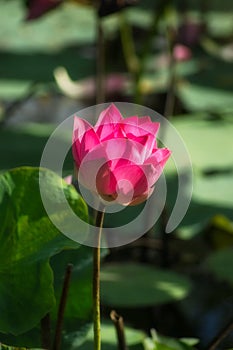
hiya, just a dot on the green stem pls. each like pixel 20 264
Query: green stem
pixel 96 283
pixel 61 309
pixel 128 46
pixel 146 49
pixel 100 62
pixel 221 335
pixel 45 332
pixel 119 326
pixel 168 112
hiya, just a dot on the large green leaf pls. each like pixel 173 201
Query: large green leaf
pixel 209 88
pixel 158 342
pixel 220 24
pixel 66 25
pixel 202 209
pixel 7 347
pixel 133 285
pixel 133 337
pixel 198 98
pixel 27 240
pixel 216 189
pixel 208 141
pixel 78 313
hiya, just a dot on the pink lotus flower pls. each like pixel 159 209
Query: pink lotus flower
pixel 182 52
pixel 118 158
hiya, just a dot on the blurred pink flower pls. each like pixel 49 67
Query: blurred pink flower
pixel 37 8
pixel 182 52
pixel 118 158
pixel 68 179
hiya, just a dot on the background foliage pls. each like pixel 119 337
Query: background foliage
pixel 181 284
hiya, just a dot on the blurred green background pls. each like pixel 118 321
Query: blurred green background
pixel 176 58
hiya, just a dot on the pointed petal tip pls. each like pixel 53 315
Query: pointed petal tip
pixel 79 120
pixel 110 115
pixel 80 127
